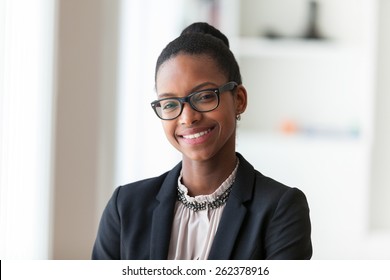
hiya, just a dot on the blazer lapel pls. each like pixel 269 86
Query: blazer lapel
pixel 163 216
pixel 228 229
pixel 234 212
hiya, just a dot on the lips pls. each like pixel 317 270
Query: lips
pixel 196 135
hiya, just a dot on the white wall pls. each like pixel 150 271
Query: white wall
pixel 380 182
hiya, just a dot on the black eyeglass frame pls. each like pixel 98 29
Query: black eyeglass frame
pixel 226 87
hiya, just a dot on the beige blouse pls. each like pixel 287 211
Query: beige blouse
pixel 193 232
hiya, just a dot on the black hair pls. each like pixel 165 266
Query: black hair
pixel 200 38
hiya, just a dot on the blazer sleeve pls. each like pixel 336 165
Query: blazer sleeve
pixel 288 236
pixel 107 244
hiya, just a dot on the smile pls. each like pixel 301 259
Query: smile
pixel 196 135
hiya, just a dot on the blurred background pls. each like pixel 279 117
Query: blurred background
pixel 77 77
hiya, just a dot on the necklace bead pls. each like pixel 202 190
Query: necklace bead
pixel 198 206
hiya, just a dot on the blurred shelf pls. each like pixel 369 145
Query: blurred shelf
pixel 247 137
pixel 291 47
pixel 325 87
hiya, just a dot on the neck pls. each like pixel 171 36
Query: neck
pixel 204 177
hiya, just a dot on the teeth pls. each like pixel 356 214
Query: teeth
pixel 196 135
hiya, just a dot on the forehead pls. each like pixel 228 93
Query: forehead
pixel 185 68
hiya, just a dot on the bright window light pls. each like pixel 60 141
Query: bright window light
pixel 26 95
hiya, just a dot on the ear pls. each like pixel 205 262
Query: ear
pixel 241 99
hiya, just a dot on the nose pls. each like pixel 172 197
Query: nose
pixel 189 116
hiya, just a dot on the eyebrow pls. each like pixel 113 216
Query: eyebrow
pixel 194 89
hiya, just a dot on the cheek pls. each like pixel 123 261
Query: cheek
pixel 229 115
pixel 169 130
pixel 229 122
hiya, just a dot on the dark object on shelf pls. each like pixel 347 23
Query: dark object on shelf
pixel 272 34
pixel 313 31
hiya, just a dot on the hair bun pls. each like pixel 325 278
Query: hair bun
pixel 205 28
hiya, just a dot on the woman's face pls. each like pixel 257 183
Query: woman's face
pixel 199 136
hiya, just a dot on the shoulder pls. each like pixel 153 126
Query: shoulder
pixel 144 191
pixel 265 191
pixel 139 190
pixel 251 180
pixel 146 185
pixel 269 190
pixel 273 187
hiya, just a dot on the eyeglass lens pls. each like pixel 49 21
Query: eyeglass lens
pixel 201 101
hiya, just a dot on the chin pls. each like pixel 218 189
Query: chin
pixel 198 155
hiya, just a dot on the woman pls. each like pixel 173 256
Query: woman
pixel 213 204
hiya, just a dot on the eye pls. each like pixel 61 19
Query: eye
pixel 169 105
pixel 205 97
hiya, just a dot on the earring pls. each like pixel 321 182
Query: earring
pixel 238 117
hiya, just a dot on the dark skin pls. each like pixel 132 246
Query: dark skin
pixel 206 140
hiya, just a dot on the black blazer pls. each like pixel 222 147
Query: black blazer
pixel 262 219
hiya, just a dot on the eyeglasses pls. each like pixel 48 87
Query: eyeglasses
pixel 201 101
